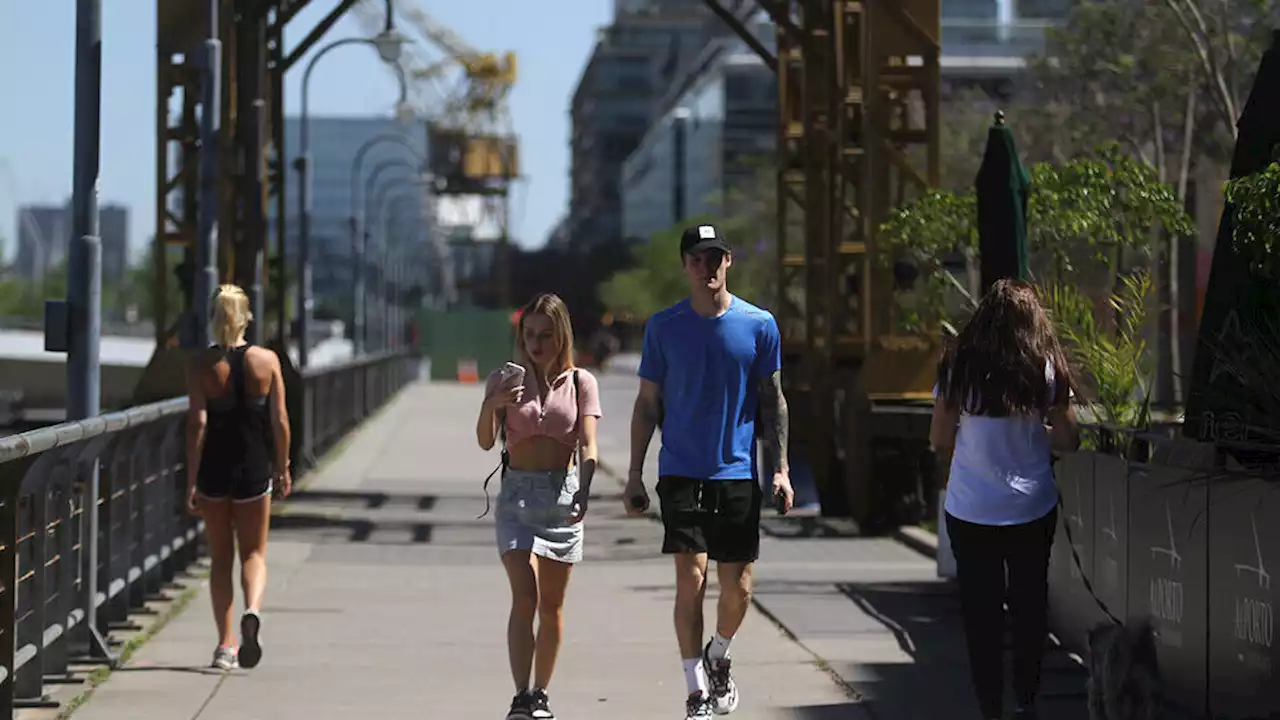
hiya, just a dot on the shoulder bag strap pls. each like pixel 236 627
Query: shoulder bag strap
pixel 502 464
pixel 577 420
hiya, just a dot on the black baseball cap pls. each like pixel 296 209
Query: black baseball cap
pixel 703 237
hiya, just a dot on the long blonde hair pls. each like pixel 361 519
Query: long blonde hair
pixel 552 306
pixel 231 315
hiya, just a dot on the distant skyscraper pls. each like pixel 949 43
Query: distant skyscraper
pixel 44 235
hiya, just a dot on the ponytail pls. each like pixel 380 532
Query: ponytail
pixel 231 315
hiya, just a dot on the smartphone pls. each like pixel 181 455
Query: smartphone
pixel 512 375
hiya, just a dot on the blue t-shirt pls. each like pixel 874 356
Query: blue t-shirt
pixel 709 370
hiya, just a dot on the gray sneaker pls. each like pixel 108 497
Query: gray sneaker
pixel 224 658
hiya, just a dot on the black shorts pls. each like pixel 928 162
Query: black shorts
pixel 234 486
pixel 718 517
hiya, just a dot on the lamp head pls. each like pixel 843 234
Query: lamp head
pixel 389 43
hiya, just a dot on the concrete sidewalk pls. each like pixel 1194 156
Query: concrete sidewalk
pixel 871 610
pixel 387 600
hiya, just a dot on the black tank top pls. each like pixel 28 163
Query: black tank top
pixel 238 441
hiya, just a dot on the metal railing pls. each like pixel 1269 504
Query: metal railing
pixel 144 535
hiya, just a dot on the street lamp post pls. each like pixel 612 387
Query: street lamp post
pixel 388 45
pixel 381 204
pixel 357 233
pixel 369 206
pixel 392 267
pixel 83 308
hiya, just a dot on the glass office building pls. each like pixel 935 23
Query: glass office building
pixel 633 63
pixel 717 125
pixel 402 217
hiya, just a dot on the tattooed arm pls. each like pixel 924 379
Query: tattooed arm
pixel 775 421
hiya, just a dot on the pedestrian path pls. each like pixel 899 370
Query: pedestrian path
pixel 386 600
pixel 872 610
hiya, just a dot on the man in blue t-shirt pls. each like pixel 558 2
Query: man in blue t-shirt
pixel 710 371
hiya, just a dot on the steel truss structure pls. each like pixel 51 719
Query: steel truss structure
pixel 858 134
pixel 251 144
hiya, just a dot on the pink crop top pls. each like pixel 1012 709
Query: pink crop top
pixel 529 418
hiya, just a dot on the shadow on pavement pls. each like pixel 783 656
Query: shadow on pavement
pixel 812 526
pixel 365 500
pixel 843 711
pixel 925 623
pixel 192 669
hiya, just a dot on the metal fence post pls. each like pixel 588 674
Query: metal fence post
pixel 206 279
pixel 84 281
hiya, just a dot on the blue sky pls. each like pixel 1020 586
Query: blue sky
pixel 37 71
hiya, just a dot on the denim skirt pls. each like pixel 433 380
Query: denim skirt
pixel 533 512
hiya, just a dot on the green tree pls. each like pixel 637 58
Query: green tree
pixel 1165 79
pixel 747 214
pixel 1255 200
pixel 1085 218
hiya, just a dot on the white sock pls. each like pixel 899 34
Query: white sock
pixel 694 677
pixel 719 649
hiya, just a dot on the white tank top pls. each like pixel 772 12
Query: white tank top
pixel 1002 468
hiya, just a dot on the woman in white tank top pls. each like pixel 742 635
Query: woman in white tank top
pixel 1004 405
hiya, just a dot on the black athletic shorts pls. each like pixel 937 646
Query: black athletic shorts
pixel 718 517
pixel 221 484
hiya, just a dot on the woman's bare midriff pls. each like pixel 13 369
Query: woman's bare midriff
pixel 541 453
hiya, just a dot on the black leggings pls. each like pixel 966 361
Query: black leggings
pixel 983 553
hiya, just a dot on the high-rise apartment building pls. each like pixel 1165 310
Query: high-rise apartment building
pixel 986 42
pixel 633 62
pixel 44 237
pixel 717 123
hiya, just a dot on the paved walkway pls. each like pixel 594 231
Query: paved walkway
pixel 387 601
pixel 871 609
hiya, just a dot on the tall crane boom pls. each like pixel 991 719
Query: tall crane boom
pixel 471 146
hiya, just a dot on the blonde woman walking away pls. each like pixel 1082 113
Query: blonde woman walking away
pixel 238 451
pixel 548 409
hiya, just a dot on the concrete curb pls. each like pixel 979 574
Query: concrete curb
pixel 918 539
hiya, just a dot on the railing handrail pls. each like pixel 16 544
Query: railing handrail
pixel 34 442
pixel 367 359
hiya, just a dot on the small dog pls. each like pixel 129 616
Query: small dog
pixel 1124 679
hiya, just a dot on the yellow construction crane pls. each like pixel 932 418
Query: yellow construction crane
pixel 470 122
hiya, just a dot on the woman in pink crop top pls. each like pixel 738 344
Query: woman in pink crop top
pixel 548 422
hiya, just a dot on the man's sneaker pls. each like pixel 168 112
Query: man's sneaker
pixel 697 707
pixel 224 658
pixel 250 639
pixel 521 707
pixel 539 708
pixel 724 691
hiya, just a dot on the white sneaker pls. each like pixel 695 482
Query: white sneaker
pixel 723 690
pixel 224 658
pixel 250 639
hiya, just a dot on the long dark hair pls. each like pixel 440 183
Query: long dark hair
pixel 996 367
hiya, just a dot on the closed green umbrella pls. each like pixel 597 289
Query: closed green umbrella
pixel 1002 188
pixel 1236 301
